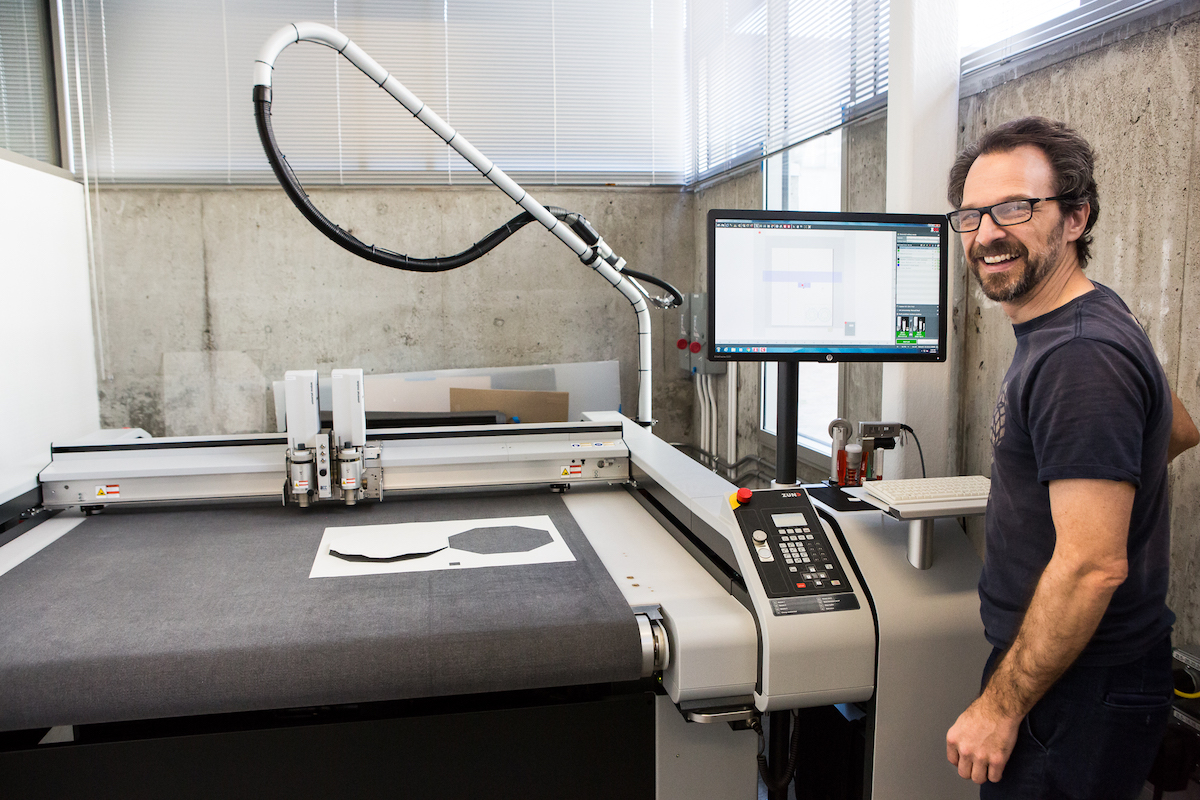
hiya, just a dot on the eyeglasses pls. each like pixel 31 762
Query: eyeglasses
pixel 1010 212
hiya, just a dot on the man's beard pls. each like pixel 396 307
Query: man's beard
pixel 1009 286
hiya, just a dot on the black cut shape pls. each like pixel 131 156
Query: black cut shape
pixel 505 539
pixel 381 559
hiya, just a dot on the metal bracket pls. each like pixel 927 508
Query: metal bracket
pixel 713 710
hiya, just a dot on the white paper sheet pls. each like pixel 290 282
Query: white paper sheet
pixel 405 538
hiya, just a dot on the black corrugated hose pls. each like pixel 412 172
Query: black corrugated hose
pixel 776 785
pixel 388 258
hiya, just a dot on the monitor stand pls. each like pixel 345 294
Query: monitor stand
pixel 786 422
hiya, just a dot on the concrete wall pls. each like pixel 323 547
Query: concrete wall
pixel 1135 100
pixel 210 294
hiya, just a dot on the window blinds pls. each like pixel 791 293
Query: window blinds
pixel 767 74
pixel 637 92
pixel 552 91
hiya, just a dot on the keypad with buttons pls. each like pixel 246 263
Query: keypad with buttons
pixel 792 554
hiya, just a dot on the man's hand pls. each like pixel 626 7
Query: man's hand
pixel 981 741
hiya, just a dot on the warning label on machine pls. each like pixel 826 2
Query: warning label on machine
pixel 108 491
pixel 572 471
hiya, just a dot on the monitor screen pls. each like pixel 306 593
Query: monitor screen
pixel 820 286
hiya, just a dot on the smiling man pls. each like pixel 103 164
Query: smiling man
pixel 1078 689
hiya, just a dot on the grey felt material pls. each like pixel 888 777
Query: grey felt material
pixel 150 614
pixel 501 539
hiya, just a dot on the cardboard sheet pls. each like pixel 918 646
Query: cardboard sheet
pixel 527 406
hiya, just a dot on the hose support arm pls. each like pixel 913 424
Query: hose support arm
pixel 571 229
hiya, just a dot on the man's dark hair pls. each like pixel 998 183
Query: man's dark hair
pixel 1070 156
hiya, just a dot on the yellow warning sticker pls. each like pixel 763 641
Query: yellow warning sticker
pixel 108 491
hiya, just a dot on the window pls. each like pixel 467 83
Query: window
pixel 807 177
pixel 1010 35
pixel 768 74
pixel 28 114
pixel 981 25
pixel 552 91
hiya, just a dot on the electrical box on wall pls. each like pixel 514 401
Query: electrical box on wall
pixel 693 336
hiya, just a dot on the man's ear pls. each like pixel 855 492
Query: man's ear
pixel 1075 221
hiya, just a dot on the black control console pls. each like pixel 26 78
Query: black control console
pixel 799 569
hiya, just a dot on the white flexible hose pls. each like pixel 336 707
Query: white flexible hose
pixel 591 256
pixel 708 398
pixel 731 377
pixel 713 435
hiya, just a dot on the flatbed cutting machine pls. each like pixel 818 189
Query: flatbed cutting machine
pixel 191 577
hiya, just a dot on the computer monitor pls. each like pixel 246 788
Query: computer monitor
pixel 828 287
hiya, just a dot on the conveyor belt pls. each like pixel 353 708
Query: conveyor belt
pixel 139 614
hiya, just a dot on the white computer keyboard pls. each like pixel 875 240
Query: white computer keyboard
pixel 929 490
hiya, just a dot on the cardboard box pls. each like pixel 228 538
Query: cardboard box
pixel 526 406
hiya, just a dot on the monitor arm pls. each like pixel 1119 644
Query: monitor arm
pixel 572 229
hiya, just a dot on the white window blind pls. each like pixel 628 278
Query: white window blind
pixel 552 91
pixel 27 104
pixel 767 74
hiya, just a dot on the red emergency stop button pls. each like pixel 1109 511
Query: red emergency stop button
pixel 682 344
pixel 695 347
pixel 744 495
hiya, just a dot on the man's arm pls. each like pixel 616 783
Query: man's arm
pixel 1091 522
pixel 1183 430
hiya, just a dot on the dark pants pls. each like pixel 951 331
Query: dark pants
pixel 1094 735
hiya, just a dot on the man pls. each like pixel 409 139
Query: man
pixel 1078 689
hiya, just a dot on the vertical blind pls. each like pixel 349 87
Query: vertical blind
pixel 27 100
pixel 553 91
pixel 767 74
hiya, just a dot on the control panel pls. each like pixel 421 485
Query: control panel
pixel 799 569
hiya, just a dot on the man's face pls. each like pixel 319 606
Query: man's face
pixel 1010 261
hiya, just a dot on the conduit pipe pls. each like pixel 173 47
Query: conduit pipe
pixel 597 255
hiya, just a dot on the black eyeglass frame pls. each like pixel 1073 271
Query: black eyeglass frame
pixel 952 216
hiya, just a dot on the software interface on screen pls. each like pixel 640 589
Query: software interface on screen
pixel 786 287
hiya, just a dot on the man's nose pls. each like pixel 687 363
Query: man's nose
pixel 988 231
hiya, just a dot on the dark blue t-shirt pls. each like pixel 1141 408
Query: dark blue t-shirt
pixel 1084 397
